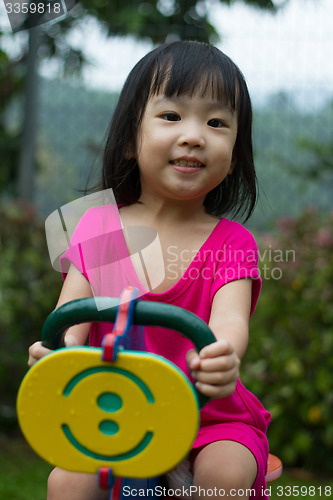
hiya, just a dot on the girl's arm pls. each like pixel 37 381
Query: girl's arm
pixel 216 367
pixel 75 287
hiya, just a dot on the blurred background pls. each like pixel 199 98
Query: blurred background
pixel 59 83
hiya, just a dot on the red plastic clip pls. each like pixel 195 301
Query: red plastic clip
pixel 123 310
pixel 121 325
pixel 108 347
pixel 116 490
pixel 105 478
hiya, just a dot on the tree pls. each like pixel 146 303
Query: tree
pixel 155 19
pixel 160 19
pixel 10 87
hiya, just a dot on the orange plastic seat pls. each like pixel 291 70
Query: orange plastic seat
pixel 274 468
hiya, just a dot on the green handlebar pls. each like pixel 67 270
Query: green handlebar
pixel 105 309
pixel 145 313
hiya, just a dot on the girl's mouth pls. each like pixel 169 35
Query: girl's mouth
pixel 186 166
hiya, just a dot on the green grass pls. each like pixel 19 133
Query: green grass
pixel 23 476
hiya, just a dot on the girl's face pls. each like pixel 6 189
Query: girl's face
pixel 185 146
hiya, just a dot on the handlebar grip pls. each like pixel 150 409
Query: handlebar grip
pixel 105 309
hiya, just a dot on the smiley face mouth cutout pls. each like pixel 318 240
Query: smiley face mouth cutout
pixel 142 445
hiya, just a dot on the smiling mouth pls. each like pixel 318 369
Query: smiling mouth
pixel 139 448
pixel 187 164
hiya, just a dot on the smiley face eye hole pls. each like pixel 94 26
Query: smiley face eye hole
pixel 109 402
pixel 108 427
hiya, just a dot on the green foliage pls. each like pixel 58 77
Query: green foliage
pixel 290 358
pixel 159 19
pixel 28 292
pixel 319 164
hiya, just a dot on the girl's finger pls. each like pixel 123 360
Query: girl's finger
pixel 215 391
pixel 37 351
pixel 218 348
pixel 192 359
pixel 220 363
pixel 216 378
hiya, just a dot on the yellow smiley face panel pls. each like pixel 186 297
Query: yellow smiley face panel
pixel 138 415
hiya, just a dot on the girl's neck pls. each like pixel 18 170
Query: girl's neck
pixel 172 212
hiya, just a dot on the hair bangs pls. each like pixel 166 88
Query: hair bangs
pixel 187 71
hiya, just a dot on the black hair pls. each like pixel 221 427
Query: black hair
pixel 175 69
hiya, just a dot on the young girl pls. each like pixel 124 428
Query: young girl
pixel 178 157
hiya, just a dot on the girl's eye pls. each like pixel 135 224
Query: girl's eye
pixel 216 123
pixel 171 117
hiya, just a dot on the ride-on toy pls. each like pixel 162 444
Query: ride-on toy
pixel 114 411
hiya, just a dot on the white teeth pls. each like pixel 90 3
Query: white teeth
pixel 183 163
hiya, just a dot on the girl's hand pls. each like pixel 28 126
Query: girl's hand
pixel 38 351
pixel 215 369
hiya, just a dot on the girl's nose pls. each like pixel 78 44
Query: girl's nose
pixel 192 135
